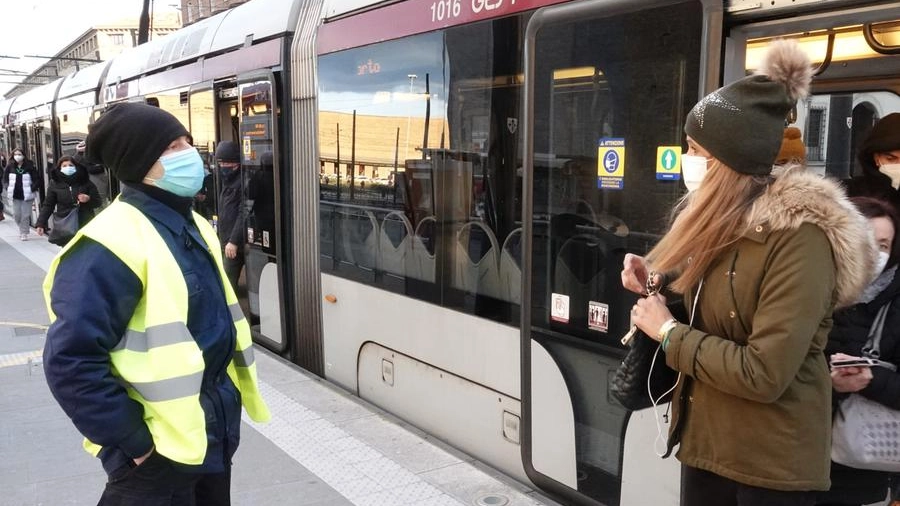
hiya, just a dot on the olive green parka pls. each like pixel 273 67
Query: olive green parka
pixel 754 398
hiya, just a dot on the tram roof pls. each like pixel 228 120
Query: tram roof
pixel 249 22
pixel 35 98
pixel 86 79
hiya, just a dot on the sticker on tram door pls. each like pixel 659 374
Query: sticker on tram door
pixel 559 308
pixel 598 316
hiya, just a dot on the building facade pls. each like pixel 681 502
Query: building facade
pixel 97 44
pixel 195 10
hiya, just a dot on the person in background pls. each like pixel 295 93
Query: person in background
pixel 850 486
pixel 96 172
pixel 205 199
pixel 792 150
pixel 879 157
pixel 22 182
pixel 145 351
pixel 231 202
pixel 69 187
pixel 760 263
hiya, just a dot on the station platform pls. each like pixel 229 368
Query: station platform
pixel 323 446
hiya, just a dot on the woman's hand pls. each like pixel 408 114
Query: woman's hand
pixel 231 250
pixel 849 379
pixel 83 198
pixel 39 230
pixel 650 313
pixel 634 273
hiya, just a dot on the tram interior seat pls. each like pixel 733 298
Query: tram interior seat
pixel 394 240
pixel 476 265
pixel 422 263
pixel 584 209
pixel 358 243
pixel 511 267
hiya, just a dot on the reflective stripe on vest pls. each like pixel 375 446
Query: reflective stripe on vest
pixel 157 333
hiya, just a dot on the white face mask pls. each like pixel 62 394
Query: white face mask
pixel 881 262
pixel 693 170
pixel 891 170
pixel 18 158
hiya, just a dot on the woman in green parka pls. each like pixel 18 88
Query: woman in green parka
pixel 761 263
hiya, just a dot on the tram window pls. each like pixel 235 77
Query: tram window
pixel 834 125
pixel 171 101
pixel 74 116
pixel 418 139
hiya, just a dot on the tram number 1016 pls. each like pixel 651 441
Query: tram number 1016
pixel 447 9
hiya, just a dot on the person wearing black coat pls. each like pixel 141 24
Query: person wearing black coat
pixel 231 203
pixel 851 486
pixel 69 186
pixel 879 156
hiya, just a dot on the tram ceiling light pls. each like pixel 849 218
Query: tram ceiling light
pixel 574 73
pixel 849 44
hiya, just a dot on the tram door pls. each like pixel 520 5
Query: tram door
pixel 609 88
pixel 256 135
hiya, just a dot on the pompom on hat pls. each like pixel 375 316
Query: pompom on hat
pixel 742 124
pixel 792 148
pixel 129 137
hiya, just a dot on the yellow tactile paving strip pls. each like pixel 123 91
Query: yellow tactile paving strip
pixel 13 359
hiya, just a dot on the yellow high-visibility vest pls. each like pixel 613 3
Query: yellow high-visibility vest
pixel 157 360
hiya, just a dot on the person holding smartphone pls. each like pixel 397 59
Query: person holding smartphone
pixel 851 486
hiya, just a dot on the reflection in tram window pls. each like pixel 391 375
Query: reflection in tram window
pixel 418 180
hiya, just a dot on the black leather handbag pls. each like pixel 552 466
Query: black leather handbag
pixel 630 384
pixel 63 227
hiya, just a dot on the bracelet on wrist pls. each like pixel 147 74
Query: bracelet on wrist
pixel 663 335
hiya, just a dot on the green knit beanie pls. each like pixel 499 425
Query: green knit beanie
pixel 741 124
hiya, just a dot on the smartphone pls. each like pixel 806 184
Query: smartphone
pixel 861 362
pixel 852 362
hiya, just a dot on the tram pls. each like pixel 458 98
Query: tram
pixel 439 193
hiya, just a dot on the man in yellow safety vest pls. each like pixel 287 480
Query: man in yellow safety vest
pixel 148 351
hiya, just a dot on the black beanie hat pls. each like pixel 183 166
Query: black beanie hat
pixel 741 124
pixel 129 137
pixel 884 137
pixel 228 151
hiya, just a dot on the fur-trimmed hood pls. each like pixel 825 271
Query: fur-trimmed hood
pixel 796 197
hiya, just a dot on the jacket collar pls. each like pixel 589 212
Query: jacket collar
pixel 797 197
pixel 170 210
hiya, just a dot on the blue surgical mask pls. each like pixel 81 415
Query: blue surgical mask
pixel 67 169
pixel 183 173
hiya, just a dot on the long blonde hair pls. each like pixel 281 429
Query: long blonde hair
pixel 709 221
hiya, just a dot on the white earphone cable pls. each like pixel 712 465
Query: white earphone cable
pixel 660 437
